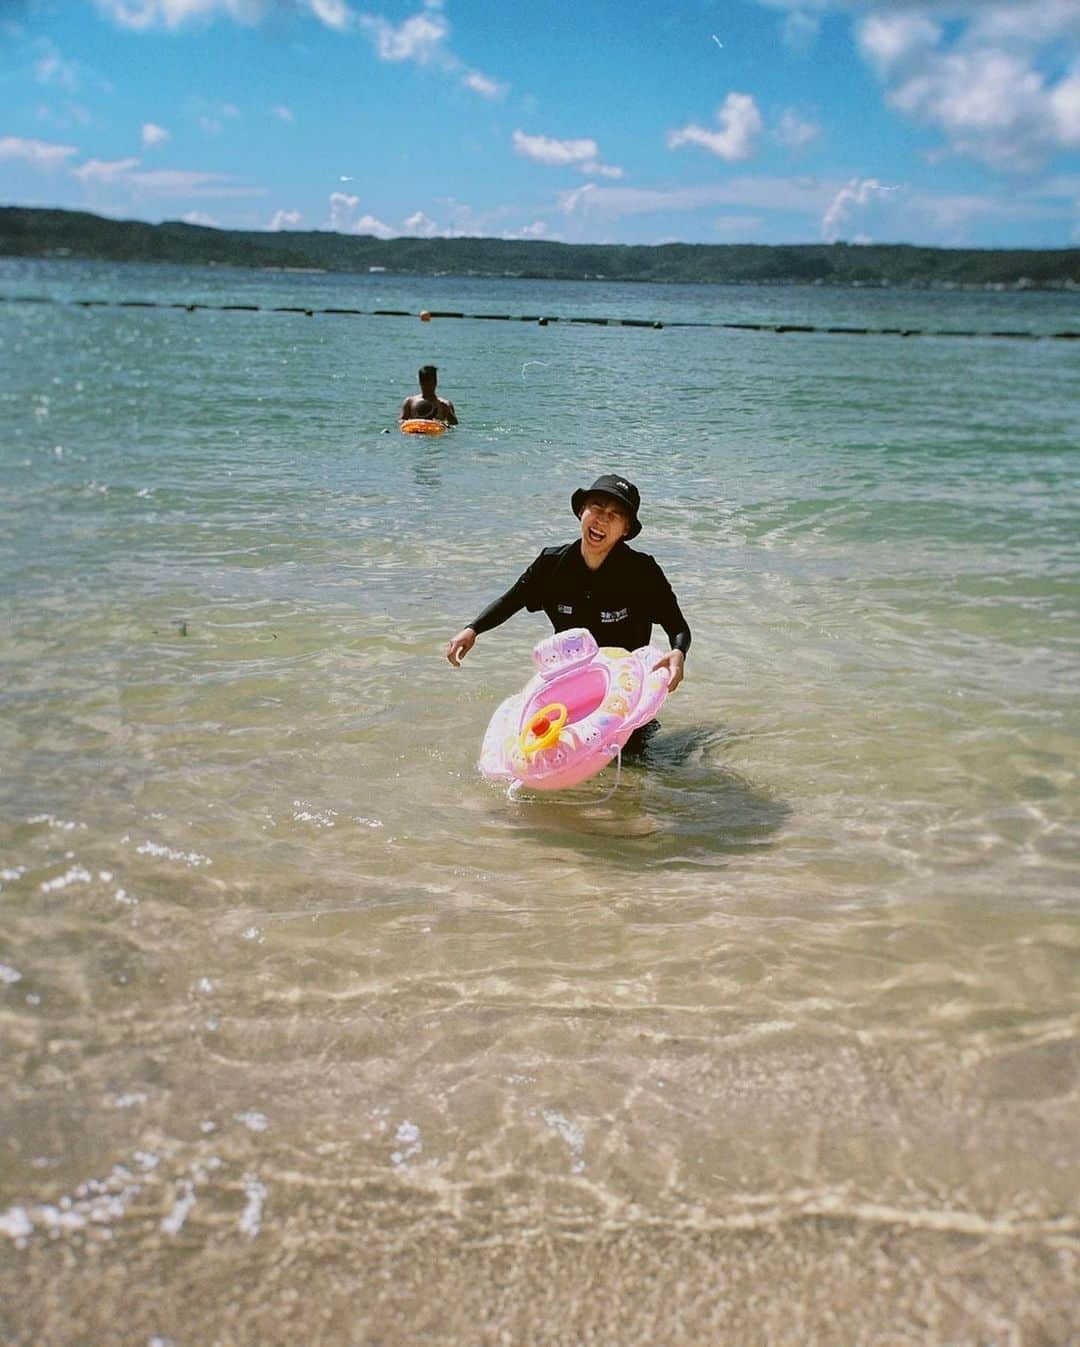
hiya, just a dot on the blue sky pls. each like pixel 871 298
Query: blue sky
pixel 706 121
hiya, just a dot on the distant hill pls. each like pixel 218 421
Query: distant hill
pixel 26 232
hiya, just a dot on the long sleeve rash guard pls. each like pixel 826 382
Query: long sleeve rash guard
pixel 618 603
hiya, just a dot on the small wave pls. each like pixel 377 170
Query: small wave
pixel 251 1217
pixel 78 874
pixel 192 858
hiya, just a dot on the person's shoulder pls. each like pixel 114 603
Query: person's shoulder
pixel 557 552
pixel 643 565
pixel 545 564
pixel 631 556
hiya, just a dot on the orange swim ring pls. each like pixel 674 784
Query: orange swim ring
pixel 420 425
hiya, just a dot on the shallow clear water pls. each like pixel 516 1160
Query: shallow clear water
pixel 311 1035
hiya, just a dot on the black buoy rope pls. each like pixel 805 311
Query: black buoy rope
pixel 544 319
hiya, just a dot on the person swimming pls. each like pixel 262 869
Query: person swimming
pixel 439 409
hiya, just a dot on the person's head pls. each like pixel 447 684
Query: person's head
pixel 608 511
pixel 428 376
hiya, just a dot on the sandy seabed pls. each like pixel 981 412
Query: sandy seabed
pixel 367 1270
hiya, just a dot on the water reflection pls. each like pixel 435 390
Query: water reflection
pixel 427 460
pixel 675 804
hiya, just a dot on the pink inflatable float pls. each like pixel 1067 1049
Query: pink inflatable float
pixel 574 716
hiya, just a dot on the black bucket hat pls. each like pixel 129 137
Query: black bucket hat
pixel 612 485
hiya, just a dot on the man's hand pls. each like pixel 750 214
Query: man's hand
pixel 460 645
pixel 673 661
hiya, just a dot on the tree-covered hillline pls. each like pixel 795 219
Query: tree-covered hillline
pixel 27 232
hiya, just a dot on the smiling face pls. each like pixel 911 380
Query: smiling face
pixel 604 520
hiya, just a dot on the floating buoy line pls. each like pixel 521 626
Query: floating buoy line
pixel 542 320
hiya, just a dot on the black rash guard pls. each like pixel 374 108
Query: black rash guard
pixel 618 602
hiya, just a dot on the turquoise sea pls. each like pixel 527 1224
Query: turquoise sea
pixel 311 1036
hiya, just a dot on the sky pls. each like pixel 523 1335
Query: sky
pixel 951 123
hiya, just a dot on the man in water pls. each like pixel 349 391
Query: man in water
pixel 427 405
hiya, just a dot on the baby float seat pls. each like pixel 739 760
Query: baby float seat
pixel 575 714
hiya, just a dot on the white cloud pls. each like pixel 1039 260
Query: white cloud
pixel 213 124
pixel 420 38
pixel 1062 186
pixel 198 217
pixel 342 221
pixel 333 13
pixel 800 30
pixel 153 134
pixel 949 216
pixel 1065 104
pixel 53 70
pixel 545 150
pixel 582 199
pixel 483 85
pixel 342 206
pixel 73 115
pixel 371 224
pixel 983 83
pixel 165 182
pixel 424 39
pixel 597 170
pixel 284 113
pixel 419 226
pixel 794 131
pixel 740 125
pixel 190 182
pixel 105 170
pixel 745 206
pixel 143 15
pixel 849 199
pixel 285 219
pixel 582 154
pixel 891 41
pixel 791 195
pixel 463 221
pixel 1033 24
pixel 537 230
pixel 997 78
pixel 39 153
